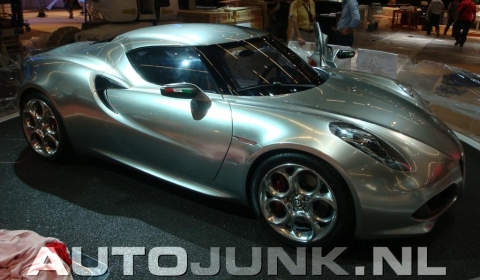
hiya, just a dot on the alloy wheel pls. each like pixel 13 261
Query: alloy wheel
pixel 41 127
pixel 297 203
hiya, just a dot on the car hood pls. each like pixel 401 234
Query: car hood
pixel 373 99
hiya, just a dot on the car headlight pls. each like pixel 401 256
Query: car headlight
pixel 370 145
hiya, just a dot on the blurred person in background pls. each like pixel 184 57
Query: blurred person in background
pixel 434 10
pixel 82 5
pixel 68 5
pixel 465 17
pixel 280 16
pixel 452 8
pixel 302 18
pixel 349 20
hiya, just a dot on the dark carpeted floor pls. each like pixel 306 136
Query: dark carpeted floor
pixel 91 203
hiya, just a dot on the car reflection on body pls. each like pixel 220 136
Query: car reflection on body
pixel 231 112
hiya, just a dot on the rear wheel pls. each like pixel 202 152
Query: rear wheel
pixel 43 128
pixel 302 200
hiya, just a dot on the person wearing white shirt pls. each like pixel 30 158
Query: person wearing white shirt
pixel 435 8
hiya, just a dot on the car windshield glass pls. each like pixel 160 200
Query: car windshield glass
pixel 262 66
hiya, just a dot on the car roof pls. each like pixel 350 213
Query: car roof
pixel 185 34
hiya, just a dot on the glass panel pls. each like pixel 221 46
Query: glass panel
pixel 262 66
pixel 172 65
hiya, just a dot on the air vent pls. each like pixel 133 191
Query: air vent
pixel 102 84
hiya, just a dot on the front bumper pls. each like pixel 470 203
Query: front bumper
pixel 409 212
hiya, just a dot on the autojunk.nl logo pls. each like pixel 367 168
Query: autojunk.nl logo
pixel 47 260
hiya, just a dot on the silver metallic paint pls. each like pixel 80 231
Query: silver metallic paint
pixel 222 165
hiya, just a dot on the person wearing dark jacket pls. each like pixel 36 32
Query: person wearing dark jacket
pixel 452 8
pixel 280 15
pixel 68 5
pixel 466 14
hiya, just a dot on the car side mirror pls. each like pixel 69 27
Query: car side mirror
pixel 342 54
pixel 200 103
pixel 180 90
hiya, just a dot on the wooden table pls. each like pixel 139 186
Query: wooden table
pixel 249 16
pixel 405 19
pixel 263 5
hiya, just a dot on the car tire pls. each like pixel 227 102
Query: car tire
pixel 43 128
pixel 302 200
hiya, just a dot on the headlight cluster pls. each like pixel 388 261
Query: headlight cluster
pixel 370 145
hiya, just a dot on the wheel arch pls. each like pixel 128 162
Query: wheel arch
pixel 305 151
pixel 29 89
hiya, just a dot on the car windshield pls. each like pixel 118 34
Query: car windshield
pixel 262 66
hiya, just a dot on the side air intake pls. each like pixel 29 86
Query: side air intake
pixel 102 84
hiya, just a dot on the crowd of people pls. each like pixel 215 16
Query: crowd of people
pixel 295 20
pixel 460 14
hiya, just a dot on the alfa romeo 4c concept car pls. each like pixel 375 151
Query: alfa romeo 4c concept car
pixel 233 113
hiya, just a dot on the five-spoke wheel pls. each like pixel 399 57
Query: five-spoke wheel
pixel 301 199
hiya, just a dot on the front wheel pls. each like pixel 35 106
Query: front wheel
pixel 302 200
pixel 43 128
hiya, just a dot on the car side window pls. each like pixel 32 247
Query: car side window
pixel 168 65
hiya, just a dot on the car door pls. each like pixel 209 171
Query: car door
pixel 167 132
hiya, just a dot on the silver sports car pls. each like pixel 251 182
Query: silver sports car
pixel 233 113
